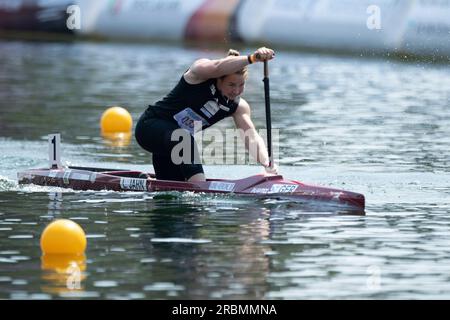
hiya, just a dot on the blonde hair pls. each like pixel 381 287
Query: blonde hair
pixel 243 71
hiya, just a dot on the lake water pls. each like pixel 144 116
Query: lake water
pixel 370 125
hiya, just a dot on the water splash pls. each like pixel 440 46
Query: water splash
pixel 7 184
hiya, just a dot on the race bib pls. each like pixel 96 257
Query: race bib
pixel 187 119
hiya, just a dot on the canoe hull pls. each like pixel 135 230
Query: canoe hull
pixel 274 186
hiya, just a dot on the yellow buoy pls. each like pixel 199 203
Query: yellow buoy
pixel 116 119
pixel 63 237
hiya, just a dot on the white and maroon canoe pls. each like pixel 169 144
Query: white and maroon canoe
pixel 262 186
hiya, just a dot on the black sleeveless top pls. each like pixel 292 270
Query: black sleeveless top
pixel 194 106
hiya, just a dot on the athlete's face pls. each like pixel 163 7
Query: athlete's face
pixel 231 86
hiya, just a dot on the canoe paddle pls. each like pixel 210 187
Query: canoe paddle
pixel 268 116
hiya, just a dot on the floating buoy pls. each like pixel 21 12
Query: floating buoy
pixel 115 120
pixel 63 237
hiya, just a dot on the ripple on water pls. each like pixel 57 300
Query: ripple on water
pixel 180 240
pixel 105 284
pixel 163 286
pixel 21 236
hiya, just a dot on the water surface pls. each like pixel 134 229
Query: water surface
pixel 374 126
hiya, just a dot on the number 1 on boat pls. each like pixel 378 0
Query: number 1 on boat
pixel 54 150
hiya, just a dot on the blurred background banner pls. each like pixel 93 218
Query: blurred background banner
pixel 34 15
pixel 408 26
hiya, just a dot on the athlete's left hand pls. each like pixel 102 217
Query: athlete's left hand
pixel 264 53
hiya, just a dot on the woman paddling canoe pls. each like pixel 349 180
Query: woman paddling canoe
pixel 207 92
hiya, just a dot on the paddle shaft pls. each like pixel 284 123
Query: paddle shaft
pixel 268 115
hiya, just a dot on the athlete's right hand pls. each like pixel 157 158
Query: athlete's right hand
pixel 273 169
pixel 263 53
